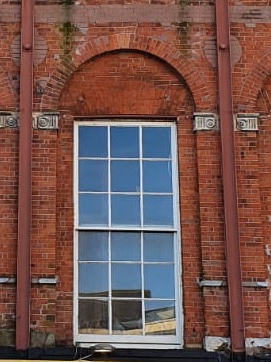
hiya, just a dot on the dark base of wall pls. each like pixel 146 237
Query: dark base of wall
pixel 125 355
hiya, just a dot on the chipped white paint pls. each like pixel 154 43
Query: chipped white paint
pixel 211 283
pixel 253 284
pixel 255 345
pixel 44 280
pixel 7 280
pixel 267 250
pixel 213 344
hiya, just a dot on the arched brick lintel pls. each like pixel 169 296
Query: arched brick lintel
pixel 204 98
pixel 253 83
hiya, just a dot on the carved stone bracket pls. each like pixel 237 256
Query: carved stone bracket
pixel 47 120
pixel 205 122
pixel 8 120
pixel 247 122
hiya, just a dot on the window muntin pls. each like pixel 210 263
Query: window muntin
pixel 126 229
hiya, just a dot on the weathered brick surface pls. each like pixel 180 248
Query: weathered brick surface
pixel 149 58
pixel 8 201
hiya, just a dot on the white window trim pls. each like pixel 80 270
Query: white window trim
pixel 132 341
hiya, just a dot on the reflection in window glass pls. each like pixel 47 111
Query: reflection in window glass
pixel 125 246
pixel 158 247
pixel 127 317
pixel 92 141
pixel 156 142
pixel 160 317
pixel 93 279
pixel 124 142
pixel 93 316
pixel 93 209
pixel 164 273
pixel 125 176
pixel 125 210
pixel 93 245
pixel 158 210
pixel 157 176
pixel 93 175
pixel 126 280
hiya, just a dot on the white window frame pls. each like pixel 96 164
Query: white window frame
pixel 118 340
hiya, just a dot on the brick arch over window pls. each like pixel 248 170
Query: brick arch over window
pixel 253 84
pixel 264 98
pixel 128 83
pixel 204 98
pixel 7 98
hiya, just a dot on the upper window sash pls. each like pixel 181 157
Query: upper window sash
pixel 145 154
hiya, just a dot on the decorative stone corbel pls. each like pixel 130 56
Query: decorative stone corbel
pixel 247 122
pixel 47 120
pixel 205 122
pixel 9 120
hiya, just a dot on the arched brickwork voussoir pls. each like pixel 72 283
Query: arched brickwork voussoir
pixel 7 98
pixel 253 83
pixel 204 98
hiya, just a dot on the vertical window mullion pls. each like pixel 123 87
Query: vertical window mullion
pixel 141 176
pixel 76 174
pixel 174 177
pixel 142 225
pixel 109 232
pixel 142 283
pixel 109 174
pixel 109 282
pixel 76 233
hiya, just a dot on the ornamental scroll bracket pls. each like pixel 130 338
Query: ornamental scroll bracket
pixel 44 121
pixel 9 120
pixel 205 122
pixel 247 122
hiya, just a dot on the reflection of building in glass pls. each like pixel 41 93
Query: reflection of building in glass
pixel 126 314
pixel 160 321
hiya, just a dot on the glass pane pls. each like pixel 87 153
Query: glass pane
pixel 93 245
pixel 124 142
pixel 158 210
pixel 160 317
pixel 157 176
pixel 159 280
pixel 93 316
pixel 156 142
pixel 125 176
pixel 158 247
pixel 93 175
pixel 127 317
pixel 93 209
pixel 125 246
pixel 126 280
pixel 92 141
pixel 93 279
pixel 125 210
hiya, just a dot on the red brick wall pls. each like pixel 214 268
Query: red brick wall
pixel 159 66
